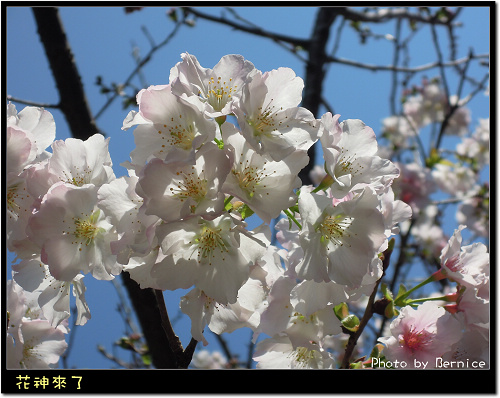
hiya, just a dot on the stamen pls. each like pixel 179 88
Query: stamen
pixel 86 230
pixel 192 186
pixel 208 242
pixel 415 340
pixel 335 229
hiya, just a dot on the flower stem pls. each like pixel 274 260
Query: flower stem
pixel 291 217
pixel 430 279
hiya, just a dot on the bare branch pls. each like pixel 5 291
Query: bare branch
pixel 32 103
pixel 73 101
pixel 393 68
pixel 139 66
pixel 295 41
pixel 388 14
pixel 353 338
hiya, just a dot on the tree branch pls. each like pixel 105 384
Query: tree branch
pixel 315 73
pixel 148 312
pixel 353 338
pixel 72 99
pixel 295 41
pixel 393 68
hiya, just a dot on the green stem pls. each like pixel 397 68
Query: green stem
pixel 291 217
pixel 422 300
pixel 425 282
pixel 228 200
pixel 219 143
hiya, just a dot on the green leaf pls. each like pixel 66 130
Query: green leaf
pixel 245 211
pixel 341 311
pixel 351 322
pixel 391 311
pixel 402 290
pixel 146 359
pixel 386 292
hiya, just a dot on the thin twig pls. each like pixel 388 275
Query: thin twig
pixel 139 66
pixel 393 68
pixel 32 103
pixel 353 338
pixel 255 30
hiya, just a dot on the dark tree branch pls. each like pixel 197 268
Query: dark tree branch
pixel 295 41
pixel 148 312
pixel 315 73
pixel 388 14
pixel 353 338
pixel 139 66
pixel 72 98
pixel 32 103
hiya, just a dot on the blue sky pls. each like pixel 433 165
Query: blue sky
pixel 102 39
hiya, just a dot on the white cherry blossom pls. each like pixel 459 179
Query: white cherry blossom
pixel 214 255
pixel 212 91
pixel 349 150
pixel 73 233
pixel 53 296
pixel 166 126
pixel 32 342
pixel 173 190
pixel 278 352
pixel 265 185
pixel 340 241
pixel 270 118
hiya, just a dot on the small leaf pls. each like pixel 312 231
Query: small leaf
pixel 389 310
pixel 351 322
pixel 146 359
pixel 386 292
pixel 341 311
pixel 402 290
pixel 245 211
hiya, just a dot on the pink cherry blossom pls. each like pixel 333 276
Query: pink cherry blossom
pixel 421 334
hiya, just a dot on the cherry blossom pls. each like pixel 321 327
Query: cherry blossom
pixel 174 190
pixel 212 91
pixel 265 185
pixel 414 185
pixel 349 150
pixel 204 359
pixel 37 123
pixel 51 295
pixel 472 349
pixel 340 241
pixel 29 133
pixel 279 353
pixel 269 117
pixel 73 233
pixel 32 342
pixel 123 206
pixel 466 265
pixel 214 255
pixel 421 334
pixel 166 126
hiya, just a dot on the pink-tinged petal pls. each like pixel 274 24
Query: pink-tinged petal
pixel 63 257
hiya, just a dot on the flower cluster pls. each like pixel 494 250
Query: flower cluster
pixel 214 147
